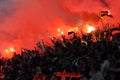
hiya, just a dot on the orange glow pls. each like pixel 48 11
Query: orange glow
pixel 58 29
pixel 76 29
pixel 90 29
pixel 8 52
pixel 62 33
pixel 50 17
pixel 73 29
pixel 12 49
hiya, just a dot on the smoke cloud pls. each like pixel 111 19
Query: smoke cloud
pixel 24 22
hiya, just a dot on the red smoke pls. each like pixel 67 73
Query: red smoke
pixel 28 21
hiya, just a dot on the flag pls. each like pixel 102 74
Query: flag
pixel 71 32
pixel 40 45
pixel 105 13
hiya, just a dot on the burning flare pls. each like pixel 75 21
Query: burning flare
pixel 12 49
pixel 62 33
pixel 8 52
pixel 90 29
pixel 59 30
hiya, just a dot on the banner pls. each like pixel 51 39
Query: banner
pixel 64 74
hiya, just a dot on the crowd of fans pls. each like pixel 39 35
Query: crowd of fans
pixel 95 56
